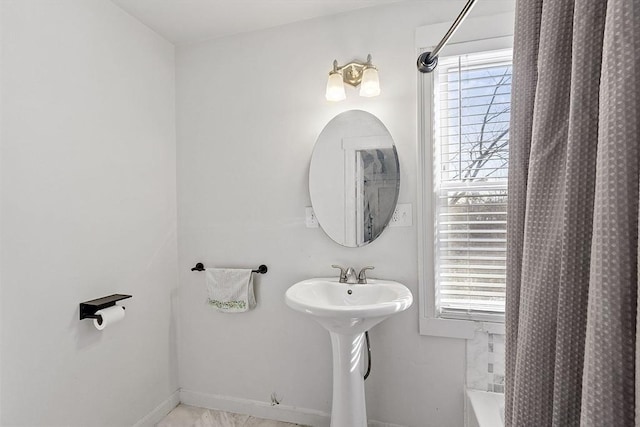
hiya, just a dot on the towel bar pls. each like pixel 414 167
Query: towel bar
pixel 261 270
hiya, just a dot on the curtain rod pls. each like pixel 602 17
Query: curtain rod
pixel 428 61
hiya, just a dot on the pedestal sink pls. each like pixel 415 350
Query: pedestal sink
pixel 347 311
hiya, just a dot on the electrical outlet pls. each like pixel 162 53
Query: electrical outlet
pixel 402 216
pixel 310 219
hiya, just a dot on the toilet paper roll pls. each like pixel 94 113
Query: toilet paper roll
pixel 110 315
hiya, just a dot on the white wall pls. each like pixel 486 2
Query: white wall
pixel 249 109
pixel 88 209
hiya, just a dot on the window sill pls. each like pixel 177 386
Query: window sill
pixel 461 329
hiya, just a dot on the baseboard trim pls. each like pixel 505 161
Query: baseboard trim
pixel 291 414
pixel 161 411
pixel 373 423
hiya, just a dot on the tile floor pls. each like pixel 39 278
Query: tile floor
pixel 191 416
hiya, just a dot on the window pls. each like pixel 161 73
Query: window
pixel 452 302
pixel 471 127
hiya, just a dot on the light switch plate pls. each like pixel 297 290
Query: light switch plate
pixel 310 219
pixel 402 216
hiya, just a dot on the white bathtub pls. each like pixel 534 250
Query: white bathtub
pixel 484 409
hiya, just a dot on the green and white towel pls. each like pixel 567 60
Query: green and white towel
pixel 230 290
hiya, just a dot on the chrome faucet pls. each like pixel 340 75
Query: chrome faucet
pixel 348 275
pixel 351 276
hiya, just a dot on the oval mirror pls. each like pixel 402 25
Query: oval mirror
pixel 354 178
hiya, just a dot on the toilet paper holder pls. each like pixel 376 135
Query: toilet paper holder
pixel 88 308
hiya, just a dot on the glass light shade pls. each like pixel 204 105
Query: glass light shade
pixel 335 88
pixel 370 85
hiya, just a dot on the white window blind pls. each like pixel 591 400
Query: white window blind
pixel 471 153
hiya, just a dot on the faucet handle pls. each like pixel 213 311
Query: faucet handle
pixel 362 276
pixel 343 273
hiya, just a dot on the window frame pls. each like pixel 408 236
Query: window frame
pixel 476 35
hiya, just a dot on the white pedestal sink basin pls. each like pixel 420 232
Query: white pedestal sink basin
pixel 347 311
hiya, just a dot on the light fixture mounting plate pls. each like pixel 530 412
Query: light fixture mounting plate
pixel 352 72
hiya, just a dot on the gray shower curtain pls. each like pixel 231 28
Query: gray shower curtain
pixel 572 242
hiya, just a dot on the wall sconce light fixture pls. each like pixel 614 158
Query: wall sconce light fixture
pixel 354 73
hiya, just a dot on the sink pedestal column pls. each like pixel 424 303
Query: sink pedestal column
pixel 348 408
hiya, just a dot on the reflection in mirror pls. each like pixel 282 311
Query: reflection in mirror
pixel 354 178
